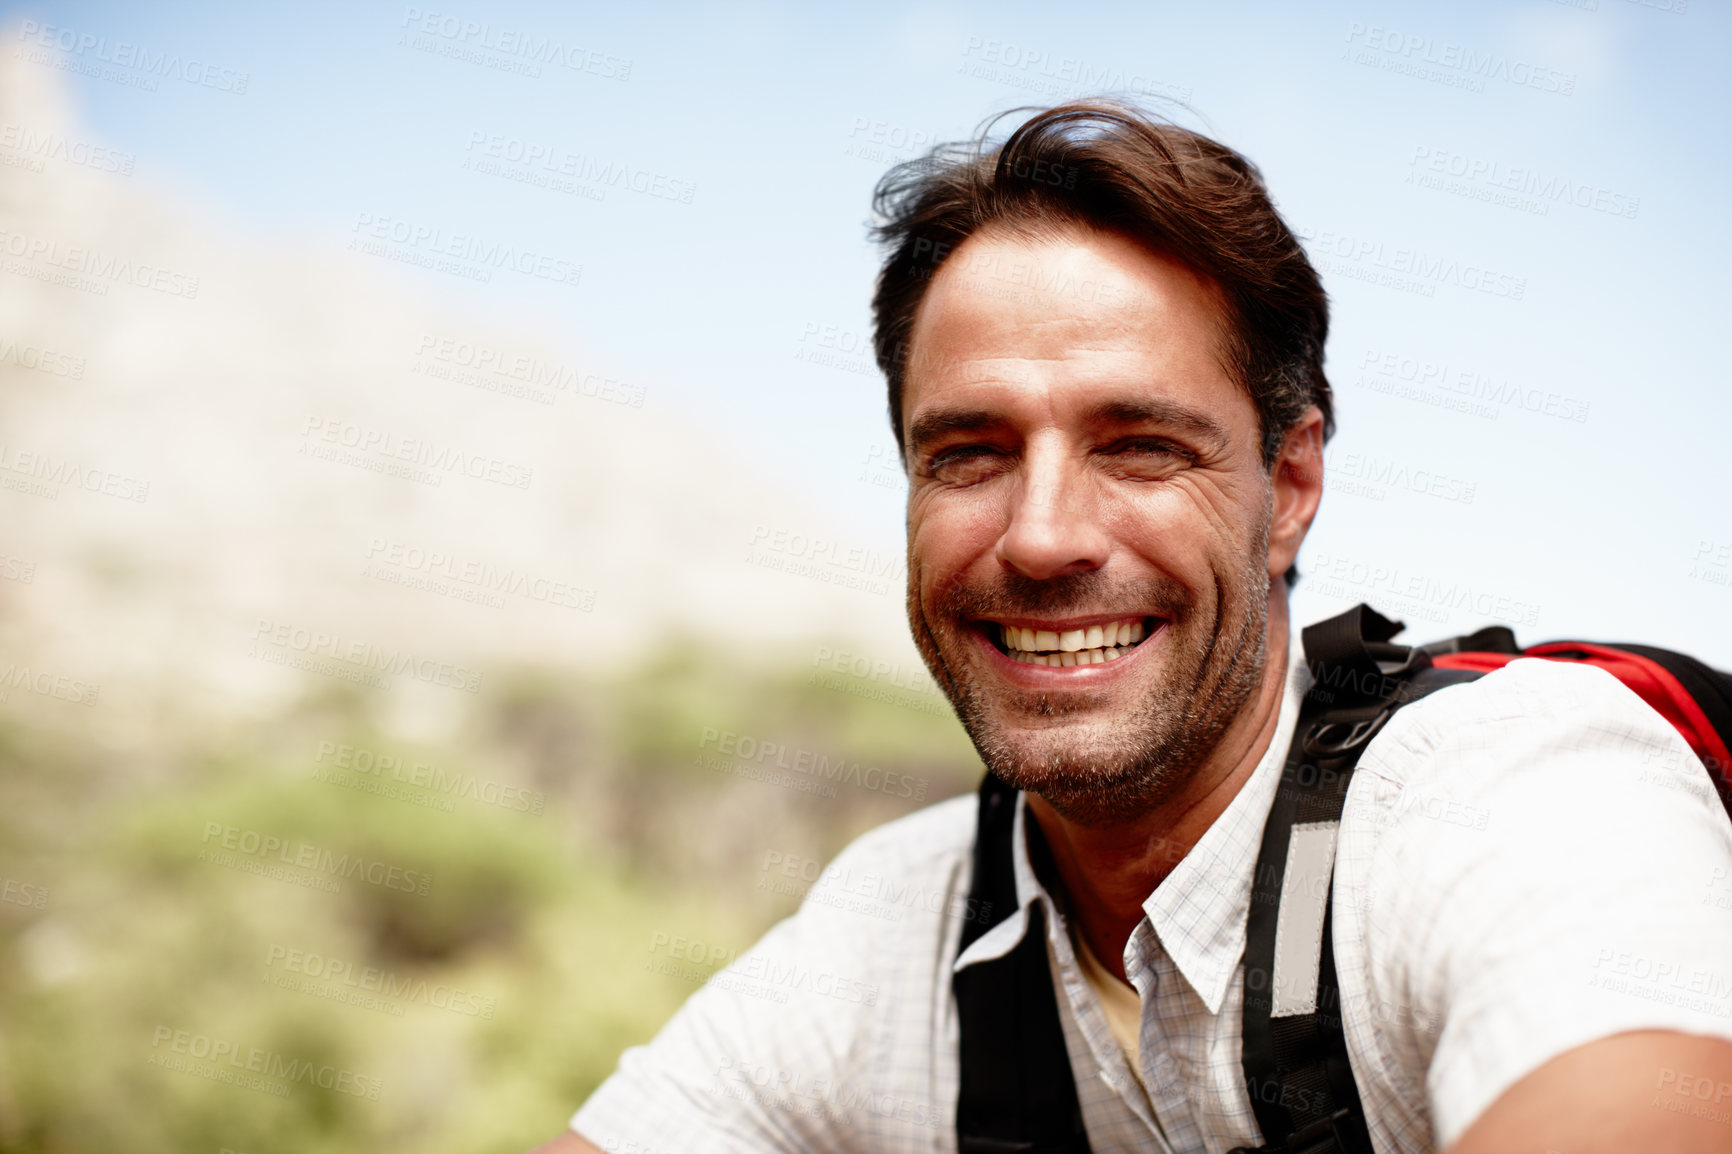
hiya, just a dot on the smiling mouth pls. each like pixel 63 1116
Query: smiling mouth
pixel 1094 645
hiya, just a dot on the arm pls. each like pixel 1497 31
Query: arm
pixel 819 1037
pixel 1649 1090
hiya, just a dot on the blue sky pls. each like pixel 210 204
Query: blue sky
pixel 1578 152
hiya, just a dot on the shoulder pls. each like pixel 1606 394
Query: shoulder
pixel 1546 794
pixel 920 840
pixel 1527 691
pixel 905 872
pixel 1537 757
pixel 1501 721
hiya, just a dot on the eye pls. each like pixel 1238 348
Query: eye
pixel 1148 457
pixel 1135 445
pixel 967 464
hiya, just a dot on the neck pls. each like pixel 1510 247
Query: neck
pixel 1109 871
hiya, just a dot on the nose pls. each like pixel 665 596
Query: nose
pixel 1054 528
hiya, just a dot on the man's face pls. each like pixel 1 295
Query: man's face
pixel 1088 516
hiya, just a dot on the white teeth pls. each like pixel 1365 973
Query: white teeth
pixel 1095 638
pixel 1098 655
pixel 1070 659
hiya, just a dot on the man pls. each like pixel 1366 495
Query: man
pixel 1104 351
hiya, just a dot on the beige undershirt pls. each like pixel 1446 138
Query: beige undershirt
pixel 1120 1005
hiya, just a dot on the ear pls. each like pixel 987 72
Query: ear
pixel 1296 483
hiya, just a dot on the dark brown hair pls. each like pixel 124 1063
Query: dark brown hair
pixel 1110 166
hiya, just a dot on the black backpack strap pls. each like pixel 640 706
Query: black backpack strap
pixel 1294 1055
pixel 1491 639
pixel 1295 1049
pixel 1017 1091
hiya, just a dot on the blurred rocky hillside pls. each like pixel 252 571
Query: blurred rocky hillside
pixel 215 445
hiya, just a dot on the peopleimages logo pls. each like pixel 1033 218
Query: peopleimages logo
pixel 24 894
pixel 1423 268
pixel 439 566
pixel 754 974
pixel 307 856
pixel 1430 59
pixel 810 770
pixel 1546 188
pixel 500 370
pixel 551 161
pixel 416 774
pixel 84 47
pixel 53 472
pixel 47 683
pixel 1372 476
pixel 103 268
pixel 828 551
pixel 240 1060
pixel 1408 593
pixel 457 36
pixel 40 144
pixel 873 894
pixel 419 458
pixel 43 360
pixel 825 559
pixel 1462 387
pixel 362 656
pixel 423 244
pixel 339 979
pixel 1038 70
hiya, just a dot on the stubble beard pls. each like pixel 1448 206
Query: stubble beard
pixel 1116 767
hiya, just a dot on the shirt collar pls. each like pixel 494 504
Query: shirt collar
pixel 1198 911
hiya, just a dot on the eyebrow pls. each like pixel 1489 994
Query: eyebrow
pixel 929 427
pixel 1181 418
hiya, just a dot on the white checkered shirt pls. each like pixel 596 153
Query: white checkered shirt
pixel 1525 864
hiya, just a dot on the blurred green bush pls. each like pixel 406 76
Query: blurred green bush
pixel 307 933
